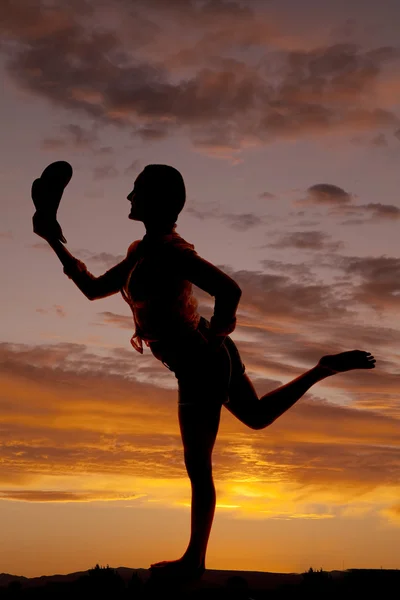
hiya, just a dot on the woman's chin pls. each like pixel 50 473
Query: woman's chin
pixel 134 217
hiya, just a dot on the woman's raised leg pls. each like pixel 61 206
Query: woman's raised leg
pixel 258 413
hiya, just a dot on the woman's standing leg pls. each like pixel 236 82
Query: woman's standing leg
pixel 203 379
pixel 199 427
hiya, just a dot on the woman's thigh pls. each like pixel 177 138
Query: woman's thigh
pixel 203 373
pixel 244 403
pixel 243 400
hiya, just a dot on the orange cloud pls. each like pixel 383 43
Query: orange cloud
pixel 50 496
pixel 81 428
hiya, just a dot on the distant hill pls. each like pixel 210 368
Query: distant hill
pixel 257 580
pixel 213 578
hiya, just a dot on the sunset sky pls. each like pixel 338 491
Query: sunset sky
pixel 284 120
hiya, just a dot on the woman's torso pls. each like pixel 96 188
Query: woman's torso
pixel 161 300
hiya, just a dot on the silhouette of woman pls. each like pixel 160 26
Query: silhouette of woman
pixel 156 280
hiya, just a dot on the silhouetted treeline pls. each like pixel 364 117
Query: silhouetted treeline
pixel 105 582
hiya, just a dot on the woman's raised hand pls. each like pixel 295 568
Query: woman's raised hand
pixel 47 227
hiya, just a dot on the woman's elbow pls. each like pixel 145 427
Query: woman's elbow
pixel 91 293
pixel 98 293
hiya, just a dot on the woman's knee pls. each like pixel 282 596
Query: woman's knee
pixel 198 468
pixel 257 425
pixel 257 422
pixel 254 419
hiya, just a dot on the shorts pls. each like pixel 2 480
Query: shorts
pixel 204 374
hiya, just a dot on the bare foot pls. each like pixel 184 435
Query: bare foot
pixel 347 361
pixel 181 568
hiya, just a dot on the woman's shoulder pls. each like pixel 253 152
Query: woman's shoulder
pixel 132 250
pixel 179 244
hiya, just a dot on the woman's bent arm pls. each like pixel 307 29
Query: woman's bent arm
pixel 225 290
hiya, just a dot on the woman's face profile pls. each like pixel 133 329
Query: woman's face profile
pixel 137 199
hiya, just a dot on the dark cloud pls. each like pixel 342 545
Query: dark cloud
pixel 76 137
pixel 279 298
pixel 152 134
pixel 30 21
pixel 210 211
pixel 306 222
pixel 238 222
pixel 381 211
pixel 362 213
pixel 307 240
pixel 267 196
pixel 336 74
pixel 376 280
pixel 299 271
pixel 40 356
pixel 243 222
pixel 363 283
pixel 340 205
pixel 79 363
pixel 144 74
pixel 326 193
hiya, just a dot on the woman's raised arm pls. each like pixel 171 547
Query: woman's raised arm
pixel 93 287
